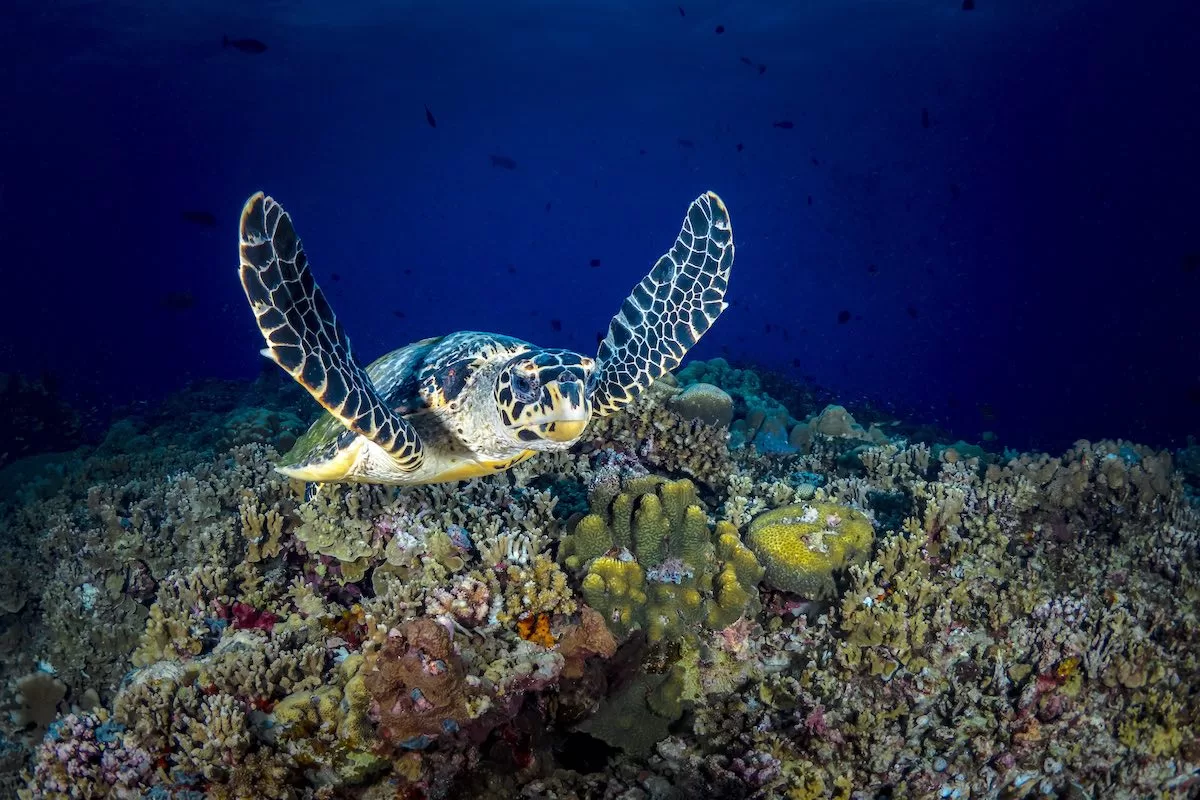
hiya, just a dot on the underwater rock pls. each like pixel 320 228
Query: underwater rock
pixel 706 403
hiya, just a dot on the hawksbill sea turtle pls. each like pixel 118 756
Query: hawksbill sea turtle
pixel 468 403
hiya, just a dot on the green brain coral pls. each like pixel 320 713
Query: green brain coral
pixel 801 546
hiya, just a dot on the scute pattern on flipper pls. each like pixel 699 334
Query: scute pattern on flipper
pixel 669 310
pixel 304 336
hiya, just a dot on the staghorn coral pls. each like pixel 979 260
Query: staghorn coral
pixel 338 525
pixel 1027 626
pixel 530 591
pixel 214 738
pixel 330 728
pixel 181 619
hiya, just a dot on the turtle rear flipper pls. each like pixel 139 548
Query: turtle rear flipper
pixel 304 336
pixel 669 310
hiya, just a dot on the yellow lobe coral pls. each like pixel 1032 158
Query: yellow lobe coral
pixel 801 546
pixel 616 589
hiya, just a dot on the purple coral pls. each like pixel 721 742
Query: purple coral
pixel 756 769
pixel 82 753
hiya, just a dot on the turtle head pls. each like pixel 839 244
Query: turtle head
pixel 544 398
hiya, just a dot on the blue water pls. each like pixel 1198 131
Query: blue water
pixel 1030 243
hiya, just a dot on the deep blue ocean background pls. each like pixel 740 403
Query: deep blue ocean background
pixel 1003 199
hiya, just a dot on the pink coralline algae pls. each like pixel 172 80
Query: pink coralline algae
pixel 247 617
pixel 83 756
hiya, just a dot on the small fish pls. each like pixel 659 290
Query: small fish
pixel 178 301
pixel 740 147
pixel 796 363
pixel 872 269
pixel 642 152
pixel 816 161
pixel 556 325
pixel 595 262
pixel 504 162
pixel 682 13
pixel 688 143
pixel 408 271
pixel 810 199
pixel 512 270
pixel 768 328
pixel 429 118
pixel 547 208
pixel 912 311
pixel 398 314
pixel 335 276
pixel 719 30
pixel 750 63
pixel 599 337
pixel 199 218
pixel 843 317
pixel 968 5
pixel 785 124
pixel 925 118
pixel 251 46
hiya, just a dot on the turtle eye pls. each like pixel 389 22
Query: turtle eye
pixel 524 387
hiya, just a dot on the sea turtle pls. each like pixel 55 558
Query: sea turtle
pixel 469 403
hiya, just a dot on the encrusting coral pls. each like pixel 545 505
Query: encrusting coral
pixel 802 546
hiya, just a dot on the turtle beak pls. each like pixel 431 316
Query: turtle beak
pixel 569 410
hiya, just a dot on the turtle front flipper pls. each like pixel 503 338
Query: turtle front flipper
pixel 669 310
pixel 304 336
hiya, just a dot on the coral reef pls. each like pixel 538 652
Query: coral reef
pixel 780 608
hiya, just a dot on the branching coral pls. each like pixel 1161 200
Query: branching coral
pixel 666 439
